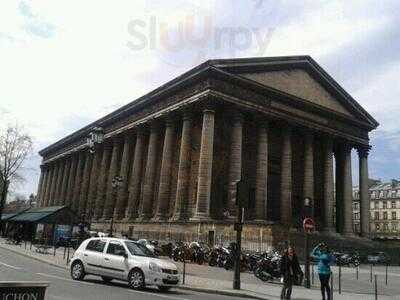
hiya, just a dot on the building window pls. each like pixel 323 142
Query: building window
pixel 393 194
pixel 382 194
pixel 386 227
pixel 393 215
pixel 394 226
pixel 398 193
pixel 356 216
pixel 393 204
pixel 377 227
pixel 376 205
pixel 373 195
pixel 385 215
pixel 384 203
pixel 376 215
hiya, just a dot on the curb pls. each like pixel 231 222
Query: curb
pixel 35 258
pixel 221 292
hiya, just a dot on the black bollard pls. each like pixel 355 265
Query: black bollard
pixel 312 274
pixel 376 287
pixel 65 250
pixel 370 273
pixel 386 274
pixel 68 255
pixel 340 279
pixel 25 244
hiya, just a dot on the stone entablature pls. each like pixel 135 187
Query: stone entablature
pixel 181 149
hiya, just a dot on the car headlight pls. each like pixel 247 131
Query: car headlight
pixel 154 267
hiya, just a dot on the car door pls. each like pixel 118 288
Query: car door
pixel 93 256
pixel 115 260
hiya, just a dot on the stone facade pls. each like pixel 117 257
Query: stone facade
pixel 181 149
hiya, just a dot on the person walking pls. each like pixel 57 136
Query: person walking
pixel 290 269
pixel 325 260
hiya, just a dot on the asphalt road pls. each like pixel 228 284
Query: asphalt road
pixel 14 267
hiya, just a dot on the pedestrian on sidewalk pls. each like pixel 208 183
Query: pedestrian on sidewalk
pixel 290 269
pixel 325 260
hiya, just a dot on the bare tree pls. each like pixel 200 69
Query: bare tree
pixel 15 146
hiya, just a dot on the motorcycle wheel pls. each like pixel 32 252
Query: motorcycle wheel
pixel 212 262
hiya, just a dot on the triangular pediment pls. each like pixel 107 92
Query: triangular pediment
pixel 301 77
pixel 299 83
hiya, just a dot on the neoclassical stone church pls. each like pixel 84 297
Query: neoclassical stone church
pixel 282 124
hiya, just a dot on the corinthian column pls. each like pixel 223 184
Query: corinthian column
pixel 136 177
pixel 328 186
pixel 94 177
pixel 49 184
pixel 364 192
pixel 347 192
pixel 61 167
pixel 78 181
pixel 43 191
pixel 85 183
pixel 205 167
pixel 262 172
pixel 235 161
pixel 64 183
pixel 114 171
pixel 102 181
pixel 165 173
pixel 40 186
pixel 52 200
pixel 286 177
pixel 122 195
pixel 71 180
pixel 181 201
pixel 150 172
pixel 308 184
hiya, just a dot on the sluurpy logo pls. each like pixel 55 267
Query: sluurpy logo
pixel 187 34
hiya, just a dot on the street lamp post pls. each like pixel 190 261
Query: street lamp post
pixel 94 138
pixel 308 214
pixel 116 183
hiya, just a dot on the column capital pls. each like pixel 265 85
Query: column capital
pixel 236 115
pixel 363 151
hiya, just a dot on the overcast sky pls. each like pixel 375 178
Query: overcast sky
pixel 64 64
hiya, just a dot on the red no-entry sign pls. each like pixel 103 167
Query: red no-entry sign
pixel 308 225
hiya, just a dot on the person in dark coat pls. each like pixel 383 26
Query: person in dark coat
pixel 290 269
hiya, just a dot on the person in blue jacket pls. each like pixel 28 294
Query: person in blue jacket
pixel 325 260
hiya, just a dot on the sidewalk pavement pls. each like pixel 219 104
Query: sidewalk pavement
pixel 201 284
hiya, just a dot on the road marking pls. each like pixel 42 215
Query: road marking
pixel 65 279
pixel 12 267
pixel 158 295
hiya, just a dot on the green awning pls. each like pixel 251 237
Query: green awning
pixel 6 217
pixel 47 215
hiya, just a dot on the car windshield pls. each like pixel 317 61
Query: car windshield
pixel 138 249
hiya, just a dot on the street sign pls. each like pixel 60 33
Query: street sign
pixel 308 225
pixel 23 290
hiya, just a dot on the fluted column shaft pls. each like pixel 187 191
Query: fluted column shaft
pixel 165 173
pixel 78 181
pixel 49 184
pixel 149 177
pixel 328 186
pixel 308 184
pixel 286 177
pixel 54 182
pixel 94 177
pixel 64 182
pixel 182 189
pixel 262 173
pixel 136 175
pixel 205 166
pixel 43 192
pixel 122 196
pixel 59 182
pixel 339 181
pixel 85 183
pixel 235 161
pixel 102 181
pixel 347 192
pixel 114 171
pixel 40 186
pixel 71 180
pixel 364 192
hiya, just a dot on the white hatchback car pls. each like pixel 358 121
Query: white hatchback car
pixel 113 258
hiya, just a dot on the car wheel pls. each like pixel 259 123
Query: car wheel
pixel 77 271
pixel 164 288
pixel 136 279
pixel 106 279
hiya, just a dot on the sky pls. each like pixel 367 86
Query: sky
pixel 64 64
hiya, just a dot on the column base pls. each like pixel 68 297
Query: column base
pixel 200 217
pixel 159 218
pixel 143 218
pixel 118 217
pixel 128 219
pixel 179 217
